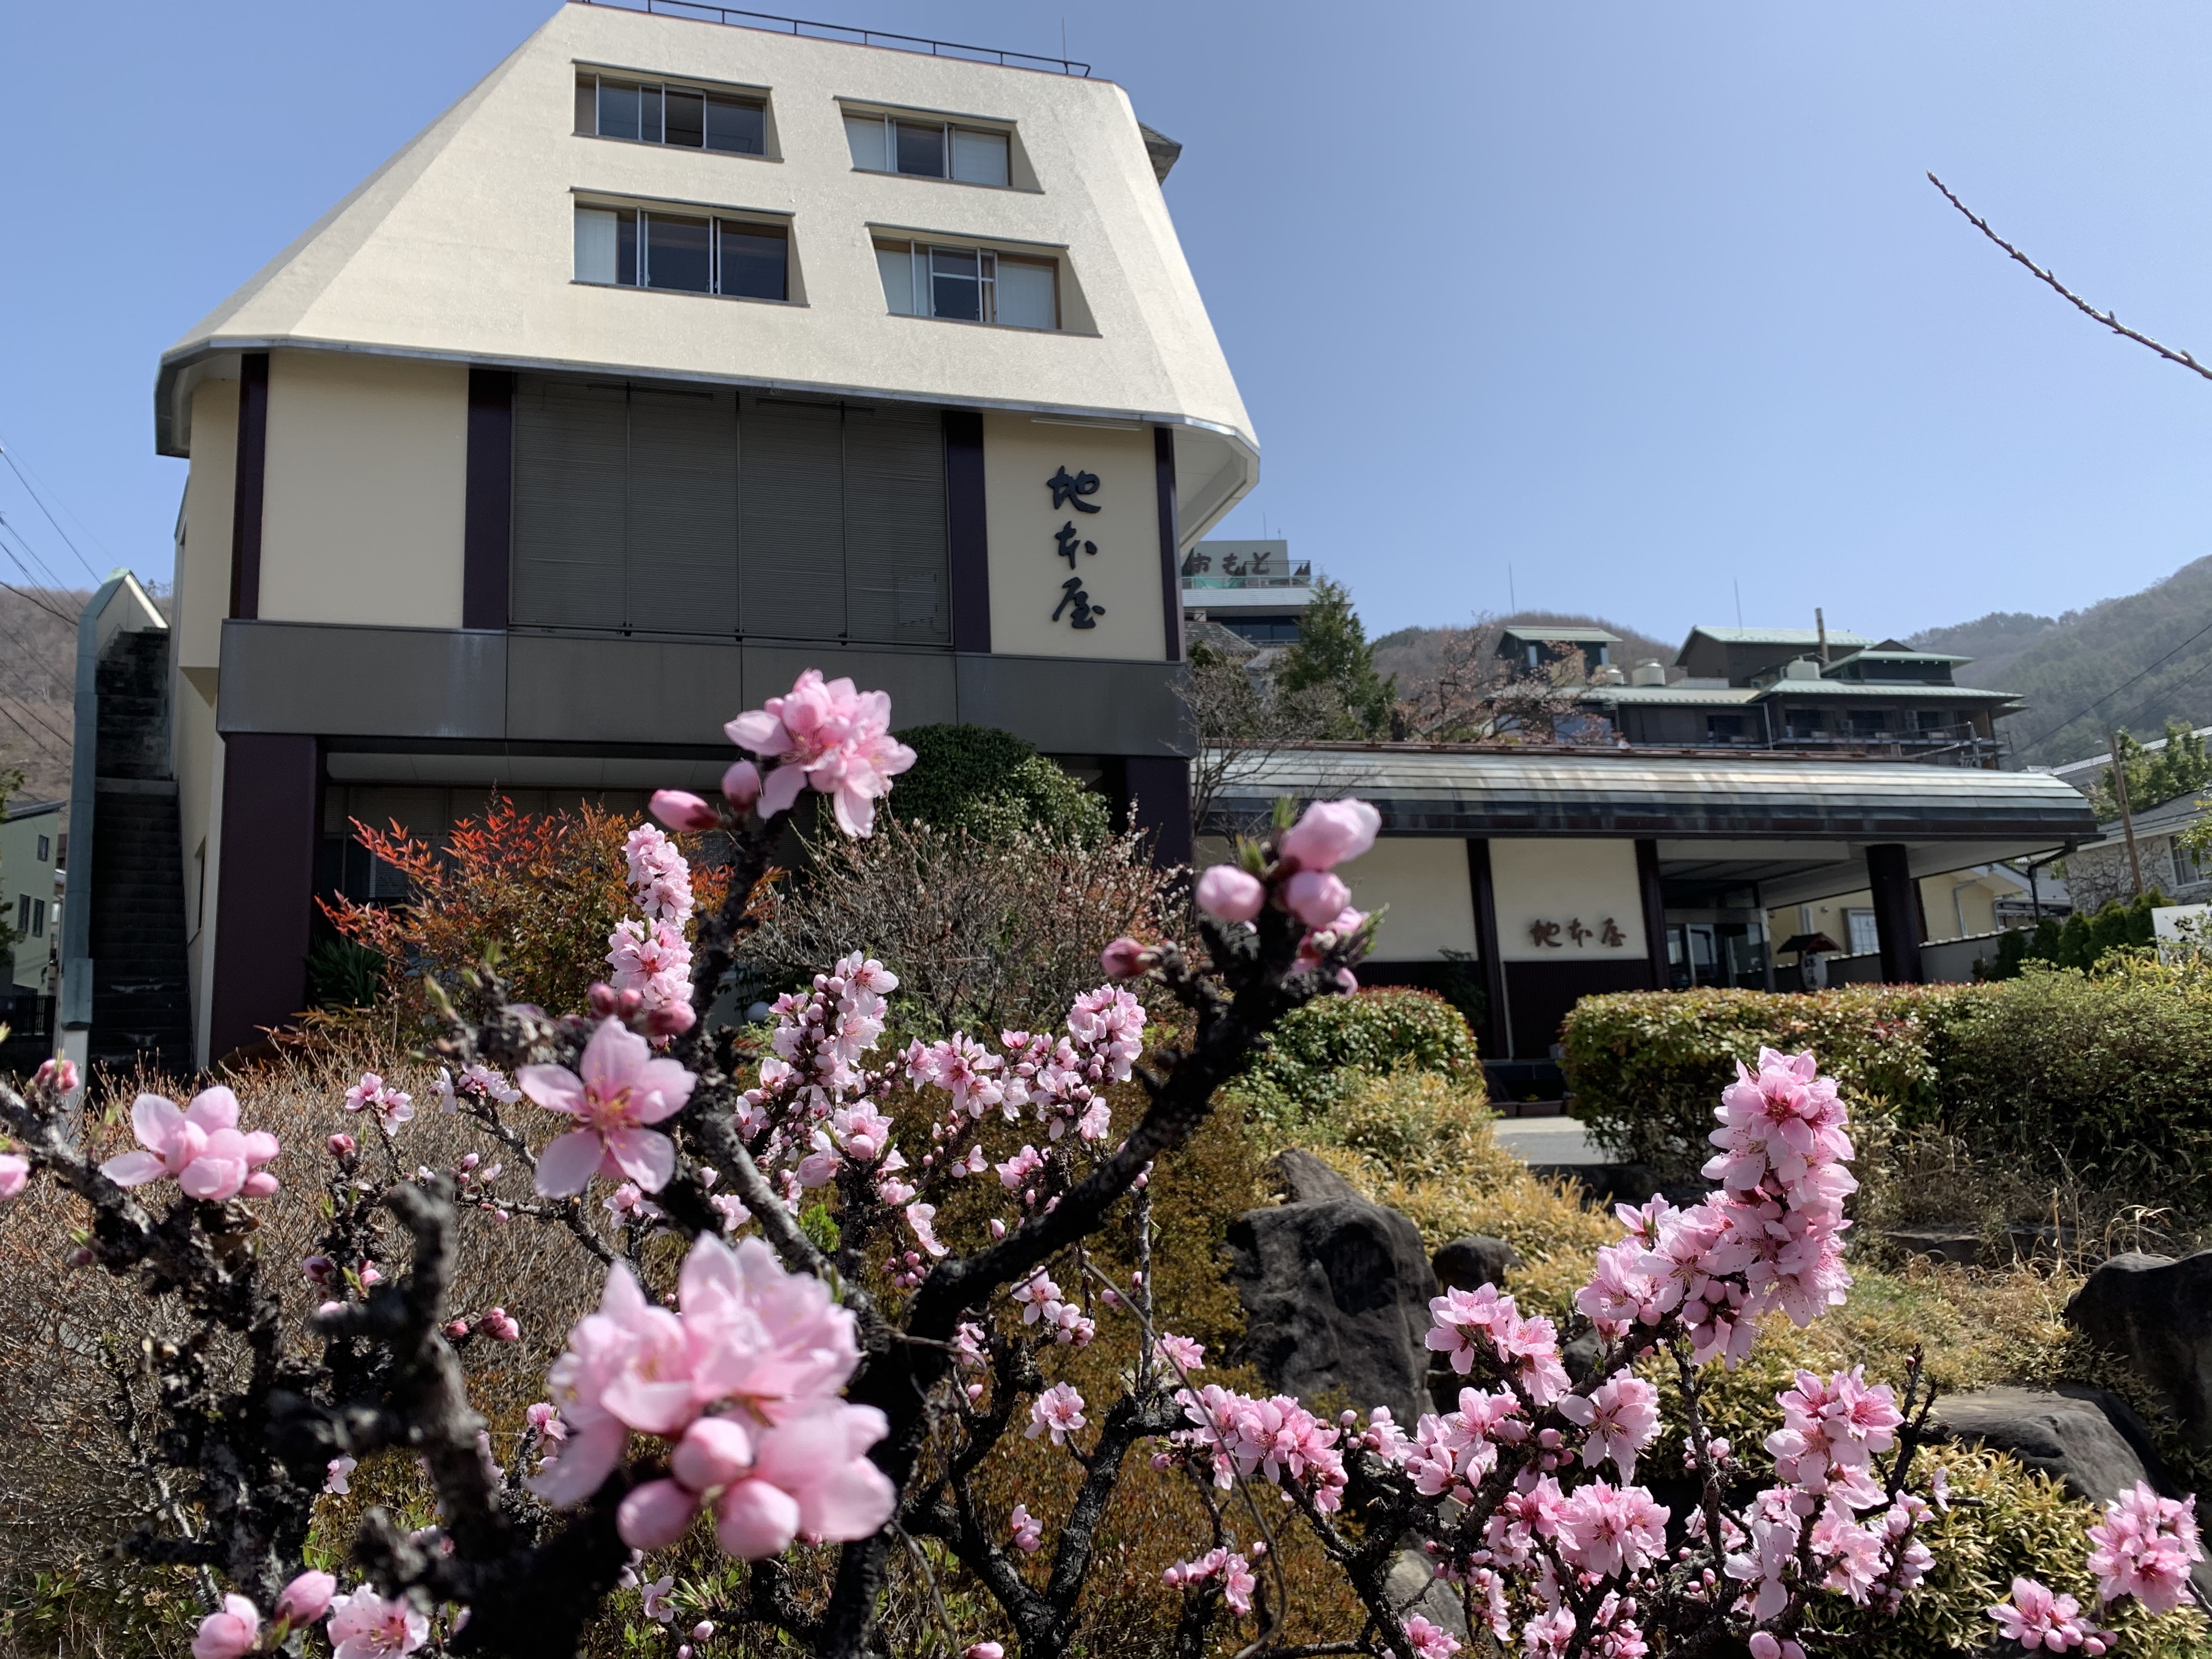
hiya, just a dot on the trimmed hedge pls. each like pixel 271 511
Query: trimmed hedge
pixel 1646 1067
pixel 991 783
pixel 1333 1045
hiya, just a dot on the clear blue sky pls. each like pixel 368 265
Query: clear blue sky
pixel 1640 301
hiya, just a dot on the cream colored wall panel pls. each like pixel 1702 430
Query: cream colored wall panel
pixel 1121 581
pixel 1562 900
pixel 1424 883
pixel 203 597
pixel 198 762
pixel 365 491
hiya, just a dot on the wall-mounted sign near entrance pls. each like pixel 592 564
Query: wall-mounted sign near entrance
pixel 1068 490
pixel 1574 932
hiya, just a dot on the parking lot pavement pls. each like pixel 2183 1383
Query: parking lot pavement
pixel 1553 1141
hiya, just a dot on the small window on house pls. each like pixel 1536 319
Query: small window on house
pixel 928 150
pixel 688 252
pixel 969 285
pixel 1723 729
pixel 688 118
pixel 1865 937
pixel 23 913
pixel 45 849
pixel 38 918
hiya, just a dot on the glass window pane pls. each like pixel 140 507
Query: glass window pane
pixel 864 135
pixel 618 109
pixel 955 288
pixel 648 114
pixel 894 261
pixel 753 262
pixel 587 103
pixel 1025 294
pixel 676 253
pixel 595 245
pixel 737 127
pixel 687 119
pixel 979 158
pixel 626 247
pixel 921 150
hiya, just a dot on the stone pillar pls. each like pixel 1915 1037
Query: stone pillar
pixel 1896 912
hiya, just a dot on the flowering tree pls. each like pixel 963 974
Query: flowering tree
pixel 842 1386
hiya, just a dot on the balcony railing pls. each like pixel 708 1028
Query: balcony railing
pixel 737 18
pixel 1205 571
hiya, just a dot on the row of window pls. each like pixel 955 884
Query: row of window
pixel 750 259
pixel 693 119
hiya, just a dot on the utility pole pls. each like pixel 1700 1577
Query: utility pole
pixel 2127 818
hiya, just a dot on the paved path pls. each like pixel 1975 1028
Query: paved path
pixel 1547 1139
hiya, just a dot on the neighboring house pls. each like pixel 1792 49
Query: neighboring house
pixel 30 900
pixel 1251 588
pixel 1535 646
pixel 1968 904
pixel 674 358
pixel 2099 871
pixel 1806 689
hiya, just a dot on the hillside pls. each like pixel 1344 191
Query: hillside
pixel 1412 654
pixel 38 679
pixel 2147 655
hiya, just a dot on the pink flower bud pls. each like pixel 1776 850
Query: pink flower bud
pixel 703 1630
pixel 655 1515
pixel 499 1325
pixel 260 1184
pixel 229 1634
pixel 713 1452
pixel 1764 1645
pixel 601 1000
pixel 61 1075
pixel 997 1228
pixel 14 1174
pixel 741 785
pixel 626 1003
pixel 1230 893
pixel 1125 958
pixel 79 1257
pixel 1316 897
pixel 341 1145
pixel 458 1330
pixel 672 1019
pixel 1331 832
pixel 985 1651
pixel 319 1269
pixel 307 1598
pixel 681 809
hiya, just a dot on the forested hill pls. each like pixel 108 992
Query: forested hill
pixel 1413 653
pixel 2152 649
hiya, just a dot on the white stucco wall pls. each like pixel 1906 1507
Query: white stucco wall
pixel 1558 881
pixel 1424 883
pixel 365 490
pixel 1027 571
pixel 203 574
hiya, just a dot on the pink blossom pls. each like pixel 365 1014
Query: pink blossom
pixel 622 1089
pixel 364 1625
pixel 2144 1548
pixel 200 1146
pixel 58 1074
pixel 14 1175
pixel 1125 958
pixel 741 785
pixel 679 809
pixel 921 1218
pixel 335 1474
pixel 1430 1641
pixel 392 1107
pixel 830 737
pixel 1620 1417
pixel 2036 1618
pixel 1316 897
pixel 230 1633
pixel 1181 1352
pixel 1606 1530
pixel 1026 1530
pixel 659 1598
pixel 1330 833
pixel 306 1598
pixel 1058 1411
pixel 1231 894
pixel 962 1066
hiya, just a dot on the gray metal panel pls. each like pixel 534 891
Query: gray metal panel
pixel 1069 707
pixel 335 681
pixel 920 682
pixel 582 690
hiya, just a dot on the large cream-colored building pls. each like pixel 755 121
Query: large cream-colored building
pixel 673 358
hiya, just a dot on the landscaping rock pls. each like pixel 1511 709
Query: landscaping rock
pixel 1336 1302
pixel 2156 1313
pixel 1414 1586
pixel 2084 1437
pixel 1466 1263
pixel 1305 1178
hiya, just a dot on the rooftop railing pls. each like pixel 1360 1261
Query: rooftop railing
pixel 808 29
pixel 1205 570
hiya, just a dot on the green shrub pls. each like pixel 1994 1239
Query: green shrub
pixel 1331 1046
pixel 991 783
pixel 1646 1067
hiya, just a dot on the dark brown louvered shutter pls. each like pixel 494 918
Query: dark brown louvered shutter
pixel 895 539
pixel 682 510
pixel 571 469
pixel 791 530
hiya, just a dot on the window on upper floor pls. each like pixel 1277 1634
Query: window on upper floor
pixel 688 118
pixel 923 148
pixel 968 284
pixel 45 849
pixel 1724 729
pixel 689 252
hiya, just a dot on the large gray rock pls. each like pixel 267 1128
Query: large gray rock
pixel 1336 1302
pixel 1305 1178
pixel 2156 1314
pixel 1466 1263
pixel 2086 1438
pixel 1414 1586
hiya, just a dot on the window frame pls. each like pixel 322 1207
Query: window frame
pixel 947 126
pixel 708 93
pixel 922 276
pixel 715 217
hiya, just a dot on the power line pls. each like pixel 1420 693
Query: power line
pixel 8 456
pixel 2125 684
pixel 44 575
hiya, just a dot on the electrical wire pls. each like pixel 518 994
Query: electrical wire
pixel 8 455
pixel 44 576
pixel 2133 680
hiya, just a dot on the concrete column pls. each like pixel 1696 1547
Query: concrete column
pixel 1896 912
pixel 264 890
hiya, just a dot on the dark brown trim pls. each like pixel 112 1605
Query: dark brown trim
pixel 1158 789
pixel 245 499
pixel 264 893
pixel 1655 911
pixel 968 543
pixel 1497 1041
pixel 1896 912
pixel 1545 992
pixel 1164 477
pixel 488 514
